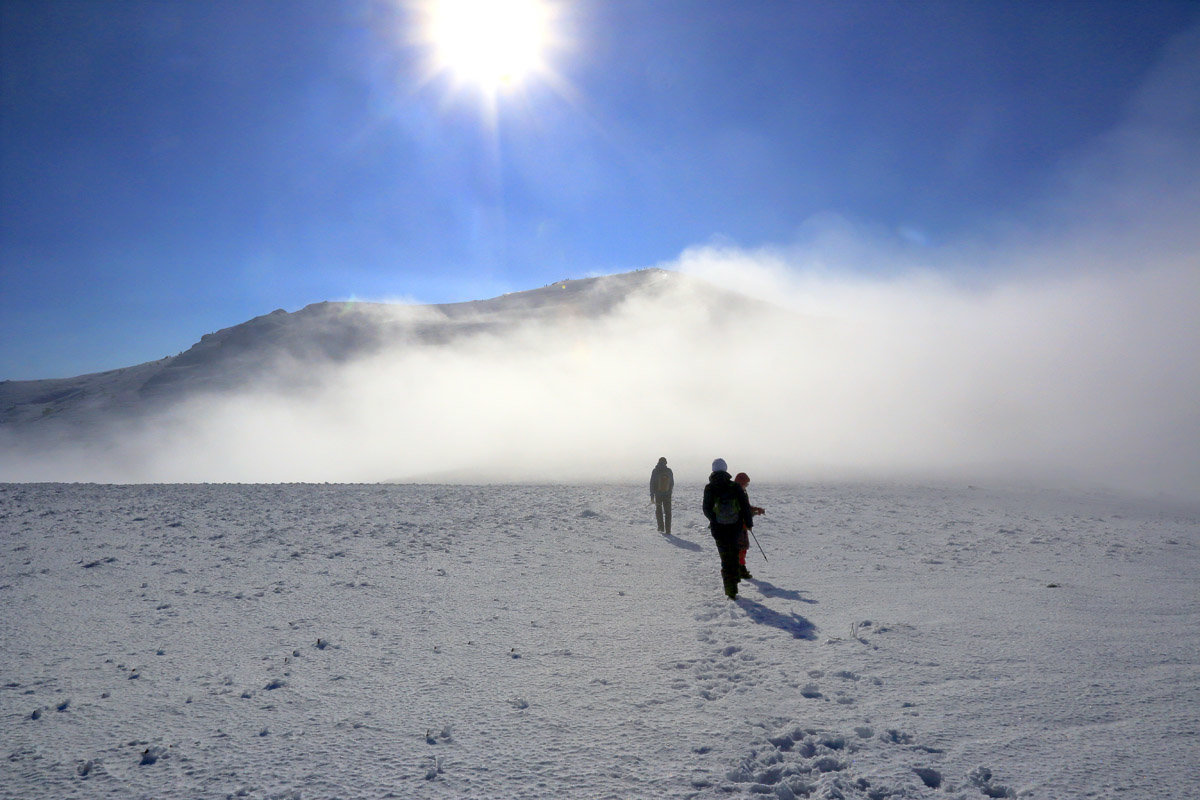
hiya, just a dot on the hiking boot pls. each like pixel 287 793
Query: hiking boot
pixel 731 589
pixel 744 573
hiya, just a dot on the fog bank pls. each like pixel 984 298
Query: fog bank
pixel 1086 377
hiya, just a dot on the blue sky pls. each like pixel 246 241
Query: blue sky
pixel 170 168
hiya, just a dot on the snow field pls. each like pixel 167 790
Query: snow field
pixel 321 641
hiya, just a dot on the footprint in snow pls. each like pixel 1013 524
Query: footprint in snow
pixel 800 762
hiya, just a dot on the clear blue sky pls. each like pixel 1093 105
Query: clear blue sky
pixel 171 167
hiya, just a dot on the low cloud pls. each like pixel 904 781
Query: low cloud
pixel 1085 378
pixel 1084 375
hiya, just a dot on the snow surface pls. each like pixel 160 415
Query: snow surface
pixel 369 641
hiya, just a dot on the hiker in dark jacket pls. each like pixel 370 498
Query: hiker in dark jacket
pixel 662 483
pixel 727 509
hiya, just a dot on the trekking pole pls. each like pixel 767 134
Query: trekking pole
pixel 759 545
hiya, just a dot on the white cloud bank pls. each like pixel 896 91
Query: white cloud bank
pixel 1091 376
pixel 1087 377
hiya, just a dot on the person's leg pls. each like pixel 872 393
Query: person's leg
pixel 667 513
pixel 730 572
pixel 743 548
pixel 658 510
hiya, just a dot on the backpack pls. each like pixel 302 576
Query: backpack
pixel 662 483
pixel 727 510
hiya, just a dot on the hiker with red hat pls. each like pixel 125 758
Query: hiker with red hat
pixel 743 480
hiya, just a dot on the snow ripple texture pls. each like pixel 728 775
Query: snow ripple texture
pixel 386 641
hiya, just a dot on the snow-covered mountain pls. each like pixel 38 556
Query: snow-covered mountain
pixel 321 334
pixel 249 355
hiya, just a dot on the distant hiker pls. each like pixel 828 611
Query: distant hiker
pixel 728 511
pixel 662 483
pixel 743 480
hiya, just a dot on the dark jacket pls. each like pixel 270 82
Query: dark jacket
pixel 659 470
pixel 720 484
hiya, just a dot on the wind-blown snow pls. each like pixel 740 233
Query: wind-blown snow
pixel 367 641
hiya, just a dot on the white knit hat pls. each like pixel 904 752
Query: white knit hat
pixel 719 465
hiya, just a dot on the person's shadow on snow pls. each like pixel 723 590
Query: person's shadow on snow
pixel 683 544
pixel 793 623
pixel 771 590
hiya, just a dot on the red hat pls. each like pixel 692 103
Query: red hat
pixel 741 478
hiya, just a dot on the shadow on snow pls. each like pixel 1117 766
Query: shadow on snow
pixel 683 544
pixel 796 625
pixel 771 590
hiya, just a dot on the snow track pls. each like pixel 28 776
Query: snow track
pixel 366 641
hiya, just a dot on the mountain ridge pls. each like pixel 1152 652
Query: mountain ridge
pixel 327 332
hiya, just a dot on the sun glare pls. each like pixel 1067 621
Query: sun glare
pixel 494 45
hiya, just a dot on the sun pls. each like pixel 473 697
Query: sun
pixel 491 45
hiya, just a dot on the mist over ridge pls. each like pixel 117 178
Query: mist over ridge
pixel 1083 378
